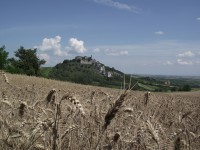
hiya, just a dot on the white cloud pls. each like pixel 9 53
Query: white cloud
pixel 44 56
pixel 96 50
pixel 52 44
pixel 183 62
pixel 117 5
pixel 186 54
pixel 198 19
pixel 169 63
pixel 116 53
pixel 123 52
pixel 159 33
pixel 76 46
pixel 186 58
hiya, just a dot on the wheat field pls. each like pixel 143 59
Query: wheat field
pixel 43 114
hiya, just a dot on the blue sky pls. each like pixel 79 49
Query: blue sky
pixel 134 36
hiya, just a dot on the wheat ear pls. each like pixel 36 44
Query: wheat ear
pixel 5 77
pixel 113 110
pixel 111 114
pixel 51 96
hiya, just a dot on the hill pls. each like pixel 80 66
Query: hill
pixel 85 70
pixel 38 113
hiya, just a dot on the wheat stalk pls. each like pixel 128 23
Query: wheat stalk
pixel 113 110
pixel 4 96
pixel 5 77
pixel 22 108
pixel 177 144
pixel 7 103
pixel 128 110
pixel 92 97
pixel 51 96
pixel 116 137
pixel 153 132
pixel 111 114
pixel 75 102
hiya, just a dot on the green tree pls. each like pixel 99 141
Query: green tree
pixel 186 88
pixel 173 89
pixel 27 61
pixel 3 58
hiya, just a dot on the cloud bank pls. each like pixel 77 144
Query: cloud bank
pixel 184 62
pixel 116 53
pixel 186 58
pixel 186 54
pixel 53 45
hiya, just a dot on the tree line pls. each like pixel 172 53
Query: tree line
pixel 25 61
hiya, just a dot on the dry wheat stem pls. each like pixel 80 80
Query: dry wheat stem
pixel 111 114
pixel 97 128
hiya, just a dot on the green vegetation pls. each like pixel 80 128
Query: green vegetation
pixel 26 61
pixel 3 58
pixel 85 70
pixel 44 71
pixel 73 71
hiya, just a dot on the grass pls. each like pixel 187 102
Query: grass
pixel 147 87
pixel 37 113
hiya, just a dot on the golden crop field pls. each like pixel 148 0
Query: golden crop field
pixel 42 114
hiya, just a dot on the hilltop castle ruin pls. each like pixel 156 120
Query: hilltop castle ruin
pixel 89 61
